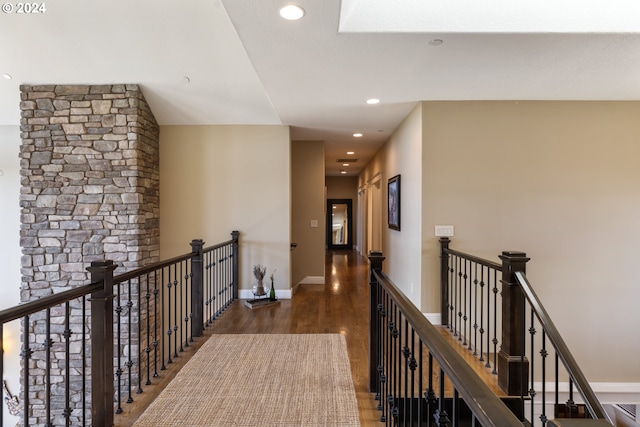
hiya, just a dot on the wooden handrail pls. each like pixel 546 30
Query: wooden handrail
pixel 570 364
pixel 485 405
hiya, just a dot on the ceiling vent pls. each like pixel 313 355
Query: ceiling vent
pixel 346 160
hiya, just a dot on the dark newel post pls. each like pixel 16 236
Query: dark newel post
pixel 197 270
pixel 235 235
pixel 444 281
pixel 102 388
pixel 375 264
pixel 511 363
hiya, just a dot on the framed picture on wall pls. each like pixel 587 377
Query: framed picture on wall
pixel 393 206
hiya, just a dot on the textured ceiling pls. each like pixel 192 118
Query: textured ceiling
pixel 245 65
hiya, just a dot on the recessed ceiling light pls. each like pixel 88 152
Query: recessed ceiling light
pixel 343 172
pixel 357 135
pixel 373 101
pixel 436 42
pixel 291 12
pixel 345 164
pixel 7 76
pixel 351 152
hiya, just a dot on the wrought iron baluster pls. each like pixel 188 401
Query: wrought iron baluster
pixel 139 325
pixel 147 349
pixel 25 355
pixel 387 347
pixel 475 310
pixel 164 322
pixel 481 330
pixel 458 330
pixel 455 407
pixel 532 391
pixel 440 416
pixel 84 361
pixel 495 323
pixel 175 311
pixel 189 296
pixel 452 285
pixel 413 365
pixel 465 300
pixel 430 395
pixel 119 370
pixel 67 364
pixel 48 343
pixel 179 296
pixel 155 324
pixel 544 354
pixel 129 363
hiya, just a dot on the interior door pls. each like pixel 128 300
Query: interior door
pixel 339 224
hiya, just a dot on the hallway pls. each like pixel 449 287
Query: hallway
pixel 338 306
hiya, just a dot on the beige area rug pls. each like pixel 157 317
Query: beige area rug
pixel 260 380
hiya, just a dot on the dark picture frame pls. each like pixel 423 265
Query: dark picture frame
pixel 393 202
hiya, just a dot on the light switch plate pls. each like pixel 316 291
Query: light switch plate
pixel 444 230
pixel 314 223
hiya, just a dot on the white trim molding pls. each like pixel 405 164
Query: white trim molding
pixel 434 318
pixel 312 280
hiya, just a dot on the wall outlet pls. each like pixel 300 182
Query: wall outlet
pixel 444 230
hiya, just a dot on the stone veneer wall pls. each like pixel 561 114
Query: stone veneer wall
pixel 89 192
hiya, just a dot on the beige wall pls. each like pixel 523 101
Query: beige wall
pixel 560 181
pixel 402 155
pixel 215 179
pixel 308 204
pixel 10 254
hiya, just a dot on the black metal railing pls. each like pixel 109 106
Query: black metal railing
pixel 494 313
pixel 86 352
pixel 416 375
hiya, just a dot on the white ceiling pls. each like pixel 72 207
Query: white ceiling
pixel 246 65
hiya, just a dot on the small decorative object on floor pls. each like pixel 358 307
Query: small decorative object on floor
pixel 272 292
pixel 259 272
pixel 262 297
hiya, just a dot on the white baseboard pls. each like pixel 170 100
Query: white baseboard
pixel 280 294
pixel 434 318
pixel 312 280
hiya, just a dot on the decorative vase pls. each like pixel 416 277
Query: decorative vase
pixel 260 289
pixel 272 293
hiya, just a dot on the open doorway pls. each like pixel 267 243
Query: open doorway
pixel 339 224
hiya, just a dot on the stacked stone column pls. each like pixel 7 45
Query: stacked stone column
pixel 89 191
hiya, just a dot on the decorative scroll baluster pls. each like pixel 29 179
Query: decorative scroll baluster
pixel 544 354
pixel 155 325
pixel 481 330
pixel 175 311
pixel 414 413
pixel 475 311
pixel 129 363
pixel 147 349
pixel 67 364
pixel 532 391
pixel 440 416
pixel 25 355
pixel 165 322
pixel 48 343
pixel 180 290
pixel 495 323
pixel 465 317
pixel 84 360
pixel 169 329
pixel 139 326
pixel 119 370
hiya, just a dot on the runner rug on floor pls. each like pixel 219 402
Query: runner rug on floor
pixel 260 380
